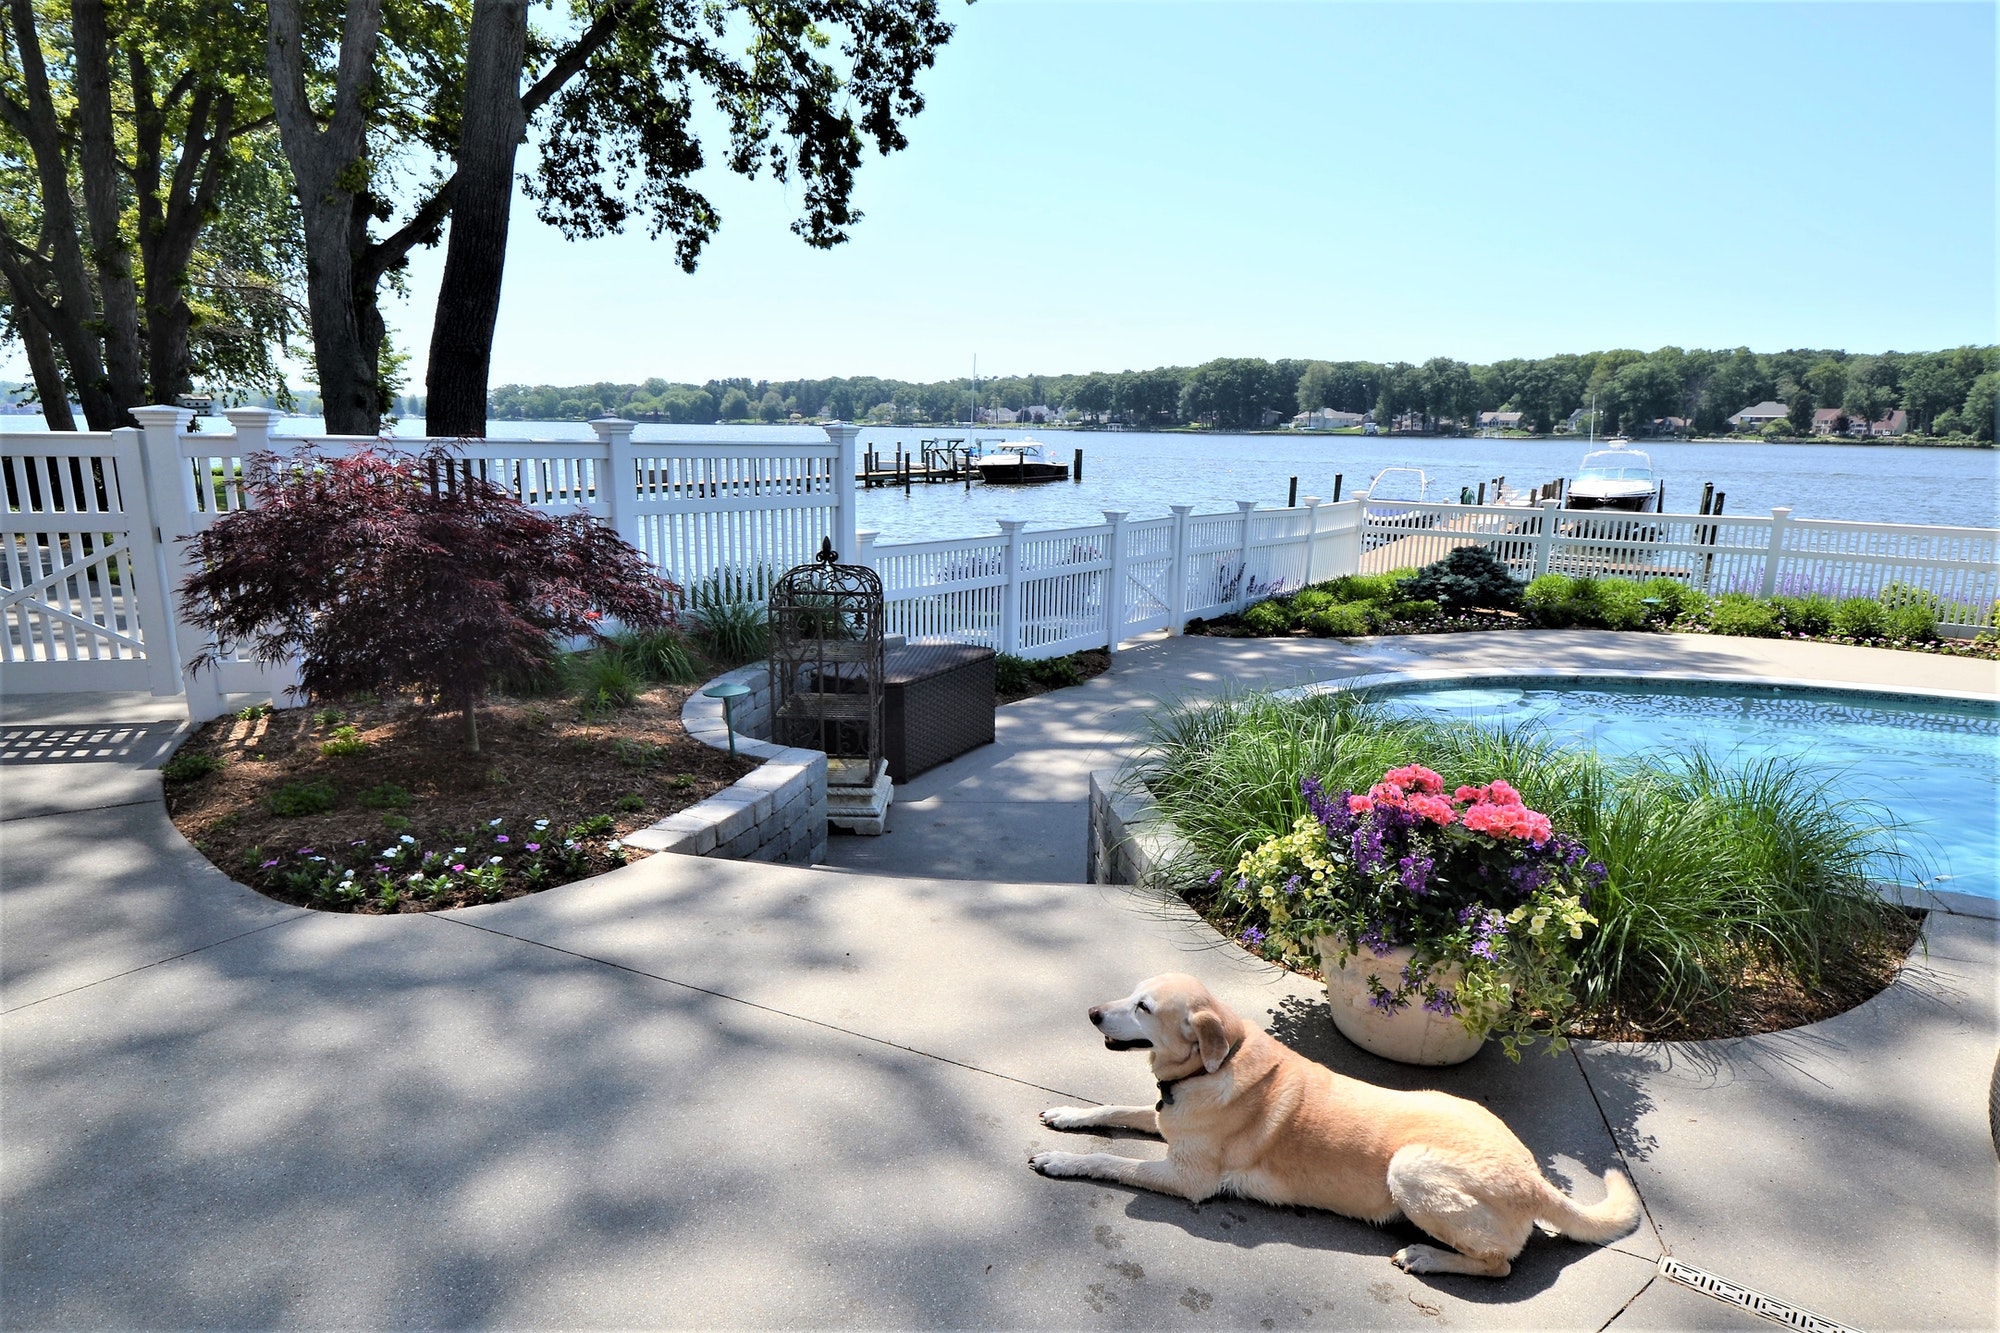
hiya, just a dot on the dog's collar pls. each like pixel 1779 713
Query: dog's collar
pixel 1167 1086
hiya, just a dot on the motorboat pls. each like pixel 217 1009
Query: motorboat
pixel 1407 484
pixel 1615 477
pixel 1015 462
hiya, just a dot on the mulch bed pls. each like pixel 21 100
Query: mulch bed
pixel 424 824
pixel 1089 662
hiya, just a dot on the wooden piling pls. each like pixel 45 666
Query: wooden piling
pixel 1076 468
pixel 1337 478
pixel 1292 495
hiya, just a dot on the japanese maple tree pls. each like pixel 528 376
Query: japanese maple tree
pixel 382 571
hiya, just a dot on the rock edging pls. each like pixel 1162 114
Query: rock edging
pixel 777 813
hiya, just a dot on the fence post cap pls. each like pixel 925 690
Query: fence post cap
pixel 1010 526
pixel 255 418
pixel 1246 505
pixel 609 427
pixel 1309 502
pixel 1115 516
pixel 162 414
pixel 1181 511
pixel 1781 512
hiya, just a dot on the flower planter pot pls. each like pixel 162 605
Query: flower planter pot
pixel 1412 1035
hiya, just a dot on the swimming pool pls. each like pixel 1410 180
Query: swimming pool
pixel 1935 763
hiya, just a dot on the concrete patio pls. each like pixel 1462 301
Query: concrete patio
pixel 703 1093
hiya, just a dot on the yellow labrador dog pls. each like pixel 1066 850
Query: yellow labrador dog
pixel 1244 1114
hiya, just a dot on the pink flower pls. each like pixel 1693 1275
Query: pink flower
pixel 1359 805
pixel 1387 793
pixel 1502 794
pixel 1434 808
pixel 1469 794
pixel 1415 777
pixel 460 867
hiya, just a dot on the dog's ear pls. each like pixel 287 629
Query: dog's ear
pixel 1212 1036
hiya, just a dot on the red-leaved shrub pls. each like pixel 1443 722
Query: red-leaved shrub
pixel 383 571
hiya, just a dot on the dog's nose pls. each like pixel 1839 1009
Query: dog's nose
pixel 1097 1014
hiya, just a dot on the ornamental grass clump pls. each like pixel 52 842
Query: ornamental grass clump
pixel 1491 901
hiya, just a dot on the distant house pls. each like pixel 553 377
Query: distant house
pixel 1270 416
pixel 1830 421
pixel 1896 423
pixel 1041 414
pixel 1500 420
pixel 1327 418
pixel 1574 421
pixel 1763 414
pixel 1671 425
pixel 1835 421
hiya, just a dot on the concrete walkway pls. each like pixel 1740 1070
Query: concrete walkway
pixel 699 1093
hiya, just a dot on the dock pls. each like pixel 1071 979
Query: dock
pixel 937 461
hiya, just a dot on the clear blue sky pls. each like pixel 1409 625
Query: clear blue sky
pixel 1104 186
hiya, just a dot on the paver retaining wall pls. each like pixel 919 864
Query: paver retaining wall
pixel 1126 846
pixel 777 813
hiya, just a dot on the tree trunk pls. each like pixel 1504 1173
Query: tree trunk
pixel 43 366
pixel 97 160
pixel 74 309
pixel 482 198
pixel 469 711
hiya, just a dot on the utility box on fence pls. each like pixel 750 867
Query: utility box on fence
pixel 826 681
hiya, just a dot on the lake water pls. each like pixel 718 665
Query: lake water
pixel 1143 473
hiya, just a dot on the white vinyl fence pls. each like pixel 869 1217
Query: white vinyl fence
pixel 95 523
pixel 1042 594
pixel 1958 569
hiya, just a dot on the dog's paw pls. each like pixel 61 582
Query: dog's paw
pixel 1065 1117
pixel 1058 1164
pixel 1417 1259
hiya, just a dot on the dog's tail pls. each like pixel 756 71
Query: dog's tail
pixel 1597 1223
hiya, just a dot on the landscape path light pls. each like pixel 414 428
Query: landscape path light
pixel 729 691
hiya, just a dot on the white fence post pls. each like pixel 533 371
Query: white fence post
pixel 864 548
pixel 253 427
pixel 618 484
pixel 1245 507
pixel 1779 517
pixel 1177 575
pixel 1114 581
pixel 845 515
pixel 1310 503
pixel 1545 536
pixel 169 494
pixel 1010 593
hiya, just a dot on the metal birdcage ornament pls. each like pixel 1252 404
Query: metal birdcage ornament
pixel 826 680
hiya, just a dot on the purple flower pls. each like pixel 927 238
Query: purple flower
pixel 1442 1001
pixel 536 847
pixel 460 867
pixel 1252 937
pixel 1376 940
pixel 501 838
pixel 1333 815
pixel 1212 879
pixel 1388 1001
pixel 305 851
pixel 1416 873
pixel 1292 884
pixel 381 870
pixel 268 864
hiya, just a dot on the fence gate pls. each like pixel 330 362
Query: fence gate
pixel 79 603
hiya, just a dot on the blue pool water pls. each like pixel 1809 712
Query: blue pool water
pixel 1934 763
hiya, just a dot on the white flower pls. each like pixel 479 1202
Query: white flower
pixel 492 823
pixel 390 851
pixel 458 851
pixel 348 875
pixel 614 845
pixel 541 823
pixel 493 861
pixel 406 839
pixel 417 878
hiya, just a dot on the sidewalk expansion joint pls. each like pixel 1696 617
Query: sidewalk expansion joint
pixel 1618 1147
pixel 159 962
pixel 766 1009
pixel 81 810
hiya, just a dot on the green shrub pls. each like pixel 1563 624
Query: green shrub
pixel 1346 621
pixel 1741 614
pixel 1366 587
pixel 303 798
pixel 189 765
pixel 1413 612
pixel 1913 622
pixel 1811 613
pixel 1546 600
pixel 661 655
pixel 1621 604
pixel 603 679
pixel 594 827
pixel 1675 599
pixel 385 796
pixel 731 615
pixel 1309 600
pixel 343 742
pixel 1861 618
pixel 1268 618
pixel 329 717
pixel 1018 675
pixel 1470 577
pixel 631 802
pixel 251 712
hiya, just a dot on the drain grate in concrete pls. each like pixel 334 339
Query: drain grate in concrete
pixel 1722 1289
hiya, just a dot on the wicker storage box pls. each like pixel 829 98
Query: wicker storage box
pixel 937 703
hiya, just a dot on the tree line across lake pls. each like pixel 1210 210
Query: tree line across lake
pixel 1946 394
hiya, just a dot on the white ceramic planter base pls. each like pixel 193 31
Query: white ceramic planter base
pixel 1412 1035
